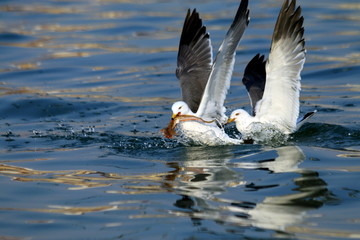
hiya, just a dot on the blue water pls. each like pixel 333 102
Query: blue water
pixel 86 86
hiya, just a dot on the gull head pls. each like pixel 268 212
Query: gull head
pixel 242 119
pixel 180 108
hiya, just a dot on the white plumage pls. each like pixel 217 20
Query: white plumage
pixel 276 112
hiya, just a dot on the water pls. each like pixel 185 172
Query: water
pixel 87 85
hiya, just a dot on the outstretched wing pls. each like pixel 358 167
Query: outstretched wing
pixel 254 80
pixel 212 102
pixel 280 102
pixel 194 60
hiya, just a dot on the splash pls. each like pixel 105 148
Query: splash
pixel 266 134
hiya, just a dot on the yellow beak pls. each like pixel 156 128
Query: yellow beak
pixel 230 120
pixel 174 116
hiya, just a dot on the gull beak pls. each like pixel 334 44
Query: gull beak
pixel 175 115
pixel 230 120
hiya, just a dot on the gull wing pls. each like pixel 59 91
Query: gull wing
pixel 212 102
pixel 254 79
pixel 194 60
pixel 280 102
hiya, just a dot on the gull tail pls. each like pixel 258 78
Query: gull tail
pixel 304 119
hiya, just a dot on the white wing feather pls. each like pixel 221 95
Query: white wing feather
pixel 280 102
pixel 212 102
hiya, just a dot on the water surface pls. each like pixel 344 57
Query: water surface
pixel 87 85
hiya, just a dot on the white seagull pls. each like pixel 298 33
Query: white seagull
pixel 204 82
pixel 274 85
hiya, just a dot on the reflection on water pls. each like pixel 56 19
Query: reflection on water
pixel 201 182
pixel 205 176
pixel 211 184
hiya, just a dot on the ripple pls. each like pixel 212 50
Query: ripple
pixel 327 135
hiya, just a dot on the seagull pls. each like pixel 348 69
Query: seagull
pixel 204 82
pixel 274 85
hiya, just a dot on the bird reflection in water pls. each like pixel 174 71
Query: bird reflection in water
pixel 210 189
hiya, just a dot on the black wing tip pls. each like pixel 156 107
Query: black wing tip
pixel 239 23
pixel 194 14
pixel 259 58
pixel 254 79
pixel 244 5
pixel 289 22
pixel 193 28
pixel 256 64
pixel 306 117
pixel 309 114
pixel 243 10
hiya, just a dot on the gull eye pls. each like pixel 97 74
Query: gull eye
pixel 237 114
pixel 180 107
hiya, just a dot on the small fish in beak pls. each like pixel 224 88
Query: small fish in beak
pixel 169 131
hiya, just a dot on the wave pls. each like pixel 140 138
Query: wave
pixel 327 135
